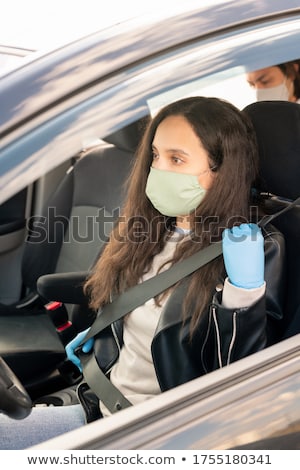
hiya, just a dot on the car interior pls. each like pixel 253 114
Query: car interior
pixel 59 250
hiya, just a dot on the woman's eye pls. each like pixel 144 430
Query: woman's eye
pixel 154 155
pixel 176 160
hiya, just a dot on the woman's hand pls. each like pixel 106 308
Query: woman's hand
pixel 74 344
pixel 244 258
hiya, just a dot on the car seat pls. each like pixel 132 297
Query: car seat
pixel 277 125
pixel 66 237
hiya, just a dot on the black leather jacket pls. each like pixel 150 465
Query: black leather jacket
pixel 223 335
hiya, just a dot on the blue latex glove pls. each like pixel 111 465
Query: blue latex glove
pixel 244 258
pixel 74 344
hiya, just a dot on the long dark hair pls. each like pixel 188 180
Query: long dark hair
pixel 141 233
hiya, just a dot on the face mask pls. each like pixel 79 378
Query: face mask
pixel 174 194
pixel 275 93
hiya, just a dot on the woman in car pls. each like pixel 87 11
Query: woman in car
pixel 190 186
pixel 279 82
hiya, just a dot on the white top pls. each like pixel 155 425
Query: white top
pixel 134 373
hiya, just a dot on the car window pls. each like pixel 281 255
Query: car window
pixel 230 82
pixel 230 85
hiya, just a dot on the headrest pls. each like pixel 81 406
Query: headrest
pixel 277 125
pixel 129 137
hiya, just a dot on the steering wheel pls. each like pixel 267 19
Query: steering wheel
pixel 14 400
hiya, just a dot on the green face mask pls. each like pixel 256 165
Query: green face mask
pixel 174 194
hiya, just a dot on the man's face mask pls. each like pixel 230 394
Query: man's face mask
pixel 275 93
pixel 174 194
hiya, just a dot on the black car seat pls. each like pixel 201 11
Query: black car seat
pixel 66 237
pixel 277 125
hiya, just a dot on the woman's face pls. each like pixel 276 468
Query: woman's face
pixel 176 147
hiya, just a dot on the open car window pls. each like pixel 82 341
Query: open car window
pixel 230 85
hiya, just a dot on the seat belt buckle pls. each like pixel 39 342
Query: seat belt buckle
pixel 59 315
pixel 57 312
pixel 53 305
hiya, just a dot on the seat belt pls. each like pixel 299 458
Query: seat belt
pixel 268 218
pixel 132 298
